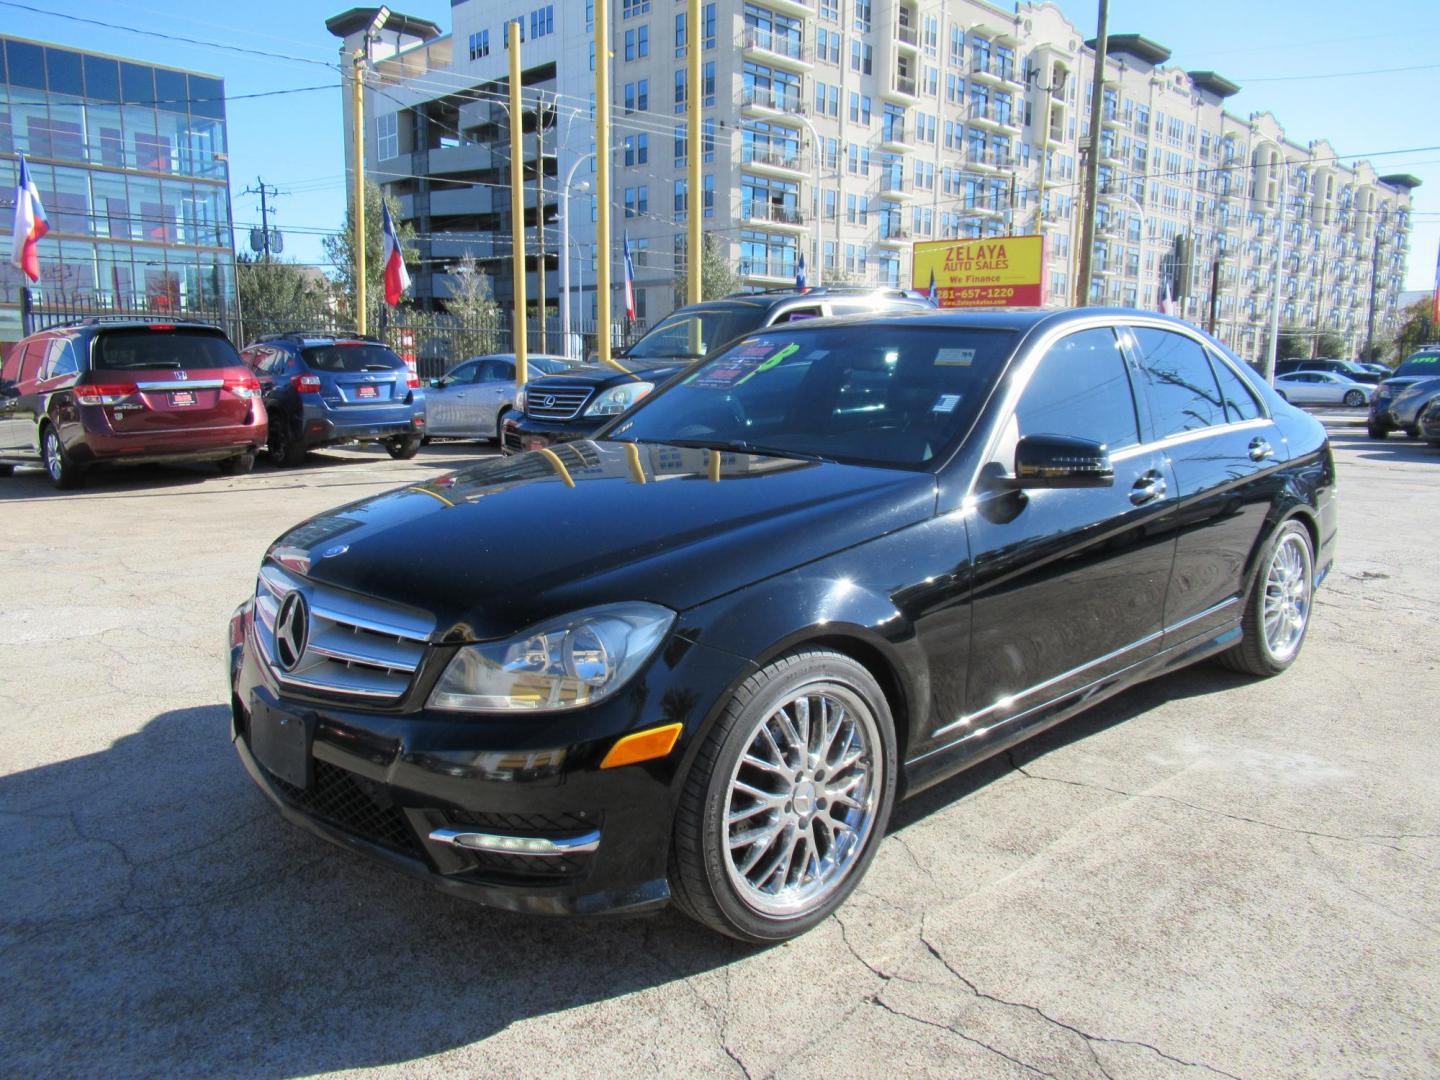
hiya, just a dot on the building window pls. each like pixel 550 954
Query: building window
pixel 864 15
pixel 542 21
pixel 480 45
pixel 709 17
pixel 828 46
pixel 637 149
pixel 505 30
pixel 681 200
pixel 630 8
pixel 709 100
pixel 387 136
pixel 830 10
pixel 862 57
pixel 708 193
pixel 637 201
pixel 680 33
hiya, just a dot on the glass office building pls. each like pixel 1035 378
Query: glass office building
pixel 131 164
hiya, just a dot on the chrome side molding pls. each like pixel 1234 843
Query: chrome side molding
pixel 517 845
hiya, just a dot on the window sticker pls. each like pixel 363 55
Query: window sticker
pixel 954 357
pixel 945 403
pixel 740 363
pixel 788 350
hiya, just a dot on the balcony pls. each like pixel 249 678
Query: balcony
pixel 775 268
pixel 470 157
pixel 1111 118
pixel 903 89
pixel 894 185
pixel 907 37
pixel 1110 152
pixel 772 160
pixel 771 100
pixel 895 236
pixel 775 215
pixel 990 160
pixel 991 70
pixel 781 50
pixel 988 116
pixel 893 140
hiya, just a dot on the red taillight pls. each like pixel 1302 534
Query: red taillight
pixel 104 393
pixel 307 384
pixel 243 386
pixel 412 382
pixel 162 326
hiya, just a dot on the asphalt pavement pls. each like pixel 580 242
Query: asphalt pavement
pixel 1208 875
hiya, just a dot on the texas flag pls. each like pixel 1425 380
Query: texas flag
pixel 802 283
pixel 629 282
pixel 397 278
pixel 1167 297
pixel 30 225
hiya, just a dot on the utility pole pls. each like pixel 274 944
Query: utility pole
pixel 540 210
pixel 263 191
pixel 358 89
pixel 1214 295
pixel 517 207
pixel 1374 273
pixel 1092 162
pixel 695 262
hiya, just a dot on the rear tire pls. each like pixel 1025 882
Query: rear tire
pixel 7 470
pixel 1277 611
pixel 238 465
pixel 284 449
pixel 807 746
pixel 1354 399
pixel 60 466
pixel 1413 431
pixel 499 439
pixel 402 447
pixel 1378 431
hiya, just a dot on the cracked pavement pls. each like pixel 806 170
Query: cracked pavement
pixel 1207 876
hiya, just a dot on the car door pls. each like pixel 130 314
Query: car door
pixel 494 389
pixel 445 402
pixel 19 398
pixel 1069 585
pixel 1224 451
pixel 1301 388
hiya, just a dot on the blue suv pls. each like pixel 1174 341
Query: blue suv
pixel 326 389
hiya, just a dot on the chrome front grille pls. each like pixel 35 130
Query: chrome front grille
pixel 556 402
pixel 352 646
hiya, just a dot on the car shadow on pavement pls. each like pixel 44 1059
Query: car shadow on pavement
pixel 1396 448
pixel 157 915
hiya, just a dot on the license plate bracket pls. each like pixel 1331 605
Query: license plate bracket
pixel 280 741
pixel 182 398
pixel 367 391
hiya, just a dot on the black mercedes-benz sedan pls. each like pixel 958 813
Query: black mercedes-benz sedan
pixel 699 657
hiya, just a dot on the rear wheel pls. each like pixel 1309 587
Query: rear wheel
pixel 284 449
pixel 58 464
pixel 787 799
pixel 1354 398
pixel 238 465
pixel 402 447
pixel 1377 431
pixel 1277 612
pixel 6 470
pixel 1412 431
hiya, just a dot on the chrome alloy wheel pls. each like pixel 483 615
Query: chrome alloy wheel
pixel 54 463
pixel 1287 597
pixel 802 800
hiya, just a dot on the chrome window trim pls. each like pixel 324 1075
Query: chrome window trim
pixel 1054 680
pixel 188 384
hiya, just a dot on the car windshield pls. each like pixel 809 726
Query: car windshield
pixel 883 394
pixel 1421 363
pixel 351 356
pixel 179 350
pixel 548 365
pixel 689 335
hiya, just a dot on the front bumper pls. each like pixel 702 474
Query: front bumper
pixel 391 784
pixel 524 433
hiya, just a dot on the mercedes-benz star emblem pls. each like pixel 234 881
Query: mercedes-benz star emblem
pixel 292 629
pixel 548 401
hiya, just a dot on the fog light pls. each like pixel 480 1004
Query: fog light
pixel 517 845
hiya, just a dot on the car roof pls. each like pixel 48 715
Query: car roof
pixel 1013 319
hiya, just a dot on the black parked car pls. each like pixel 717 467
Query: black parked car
pixel 1422 364
pixel 700 658
pixel 1351 369
pixel 576 404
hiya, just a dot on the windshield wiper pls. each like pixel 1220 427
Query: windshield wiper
pixel 740 446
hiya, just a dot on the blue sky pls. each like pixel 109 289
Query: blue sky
pixel 1293 58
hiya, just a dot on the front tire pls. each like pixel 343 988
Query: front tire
pixel 7 470
pixel 1412 431
pixel 59 465
pixel 1354 399
pixel 787 799
pixel 1277 612
pixel 499 439
pixel 402 447
pixel 1378 431
pixel 285 450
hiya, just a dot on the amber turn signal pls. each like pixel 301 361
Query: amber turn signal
pixel 642 746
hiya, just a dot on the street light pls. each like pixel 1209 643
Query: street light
pixel 815 145
pixel 565 246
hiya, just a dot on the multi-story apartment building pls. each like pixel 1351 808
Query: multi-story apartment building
pixel 130 160
pixel 850 129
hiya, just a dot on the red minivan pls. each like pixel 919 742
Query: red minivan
pixel 123 392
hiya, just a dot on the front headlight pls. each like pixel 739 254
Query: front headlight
pixel 566 663
pixel 618 398
pixel 520 398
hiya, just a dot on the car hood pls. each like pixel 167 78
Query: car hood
pixel 505 542
pixel 600 374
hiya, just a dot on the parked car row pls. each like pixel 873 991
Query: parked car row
pixel 1403 395
pixel 119 391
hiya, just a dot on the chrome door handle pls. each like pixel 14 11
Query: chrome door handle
pixel 1148 489
pixel 1260 450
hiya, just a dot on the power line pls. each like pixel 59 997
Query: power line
pixel 1341 74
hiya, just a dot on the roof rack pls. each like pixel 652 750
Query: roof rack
pixel 164 320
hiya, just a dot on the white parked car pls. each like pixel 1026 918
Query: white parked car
pixel 1322 388
pixel 471 399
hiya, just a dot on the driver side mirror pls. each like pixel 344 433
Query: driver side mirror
pixel 1060 461
pixel 438 384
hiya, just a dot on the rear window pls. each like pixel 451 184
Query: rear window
pixel 1425 363
pixel 179 350
pixel 348 357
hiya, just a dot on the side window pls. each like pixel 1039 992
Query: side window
pixel 799 313
pixel 1240 401
pixel 1081 388
pixel 462 373
pixel 30 362
pixel 1179 382
pixel 59 359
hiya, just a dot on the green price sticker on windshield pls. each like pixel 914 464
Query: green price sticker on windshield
pixel 788 350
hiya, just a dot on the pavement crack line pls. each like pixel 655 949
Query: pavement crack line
pixel 876 999
pixel 1334 874
pixel 1369 839
pixel 1089 1039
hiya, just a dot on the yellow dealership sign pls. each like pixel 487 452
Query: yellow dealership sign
pixel 999 271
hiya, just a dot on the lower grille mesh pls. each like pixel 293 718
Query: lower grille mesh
pixel 355 805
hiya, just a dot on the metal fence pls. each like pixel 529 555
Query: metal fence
pixel 437 342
